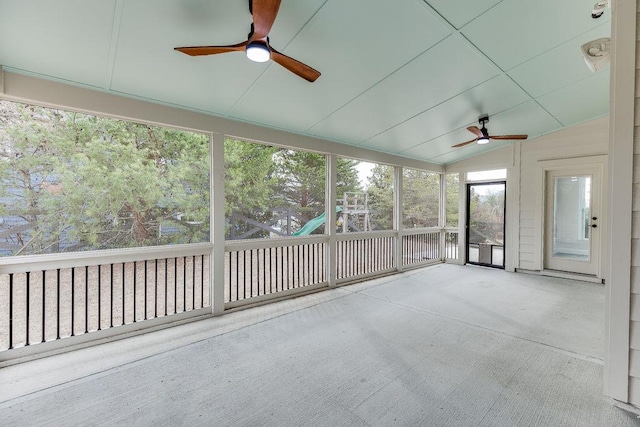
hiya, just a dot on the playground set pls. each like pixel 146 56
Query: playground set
pixel 353 215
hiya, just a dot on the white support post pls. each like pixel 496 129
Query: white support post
pixel 442 216
pixel 462 218
pixel 397 215
pixel 217 223
pixel 620 171
pixel 330 217
pixel 1 80
pixel 512 219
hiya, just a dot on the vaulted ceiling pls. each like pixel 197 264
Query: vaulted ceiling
pixel 404 76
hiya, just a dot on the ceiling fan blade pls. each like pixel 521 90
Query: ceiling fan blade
pixel 508 136
pixel 475 130
pixel 462 144
pixel 211 50
pixel 295 66
pixel 264 14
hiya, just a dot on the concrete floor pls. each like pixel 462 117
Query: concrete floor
pixel 445 345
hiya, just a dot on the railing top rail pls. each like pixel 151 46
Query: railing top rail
pixel 413 231
pixel 366 235
pixel 234 245
pixel 21 264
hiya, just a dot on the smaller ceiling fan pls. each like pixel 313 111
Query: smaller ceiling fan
pixel 483 136
pixel 257 45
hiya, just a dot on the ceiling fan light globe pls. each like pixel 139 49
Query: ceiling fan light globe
pixel 483 140
pixel 258 52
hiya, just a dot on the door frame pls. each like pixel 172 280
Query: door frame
pixel 597 161
pixel 591 265
pixel 468 219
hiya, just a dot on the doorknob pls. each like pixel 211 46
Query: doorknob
pixel 594 218
pixel 594 225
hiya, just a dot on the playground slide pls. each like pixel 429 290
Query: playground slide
pixel 313 224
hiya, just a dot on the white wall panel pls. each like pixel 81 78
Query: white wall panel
pixel 634 363
pixel 634 390
pixel 635 307
pixel 635 280
pixel 635 336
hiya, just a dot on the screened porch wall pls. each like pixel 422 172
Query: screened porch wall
pixel 136 290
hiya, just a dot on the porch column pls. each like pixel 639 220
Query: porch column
pixel 622 193
pixel 397 214
pixel 217 223
pixel 330 217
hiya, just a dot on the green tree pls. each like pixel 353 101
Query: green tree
pixel 264 183
pixel 420 198
pixel 487 215
pixel 252 185
pixel 83 182
pixel 347 177
pixel 452 198
pixel 381 192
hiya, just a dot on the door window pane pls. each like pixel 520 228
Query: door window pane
pixel 487 175
pixel 571 212
pixel 486 224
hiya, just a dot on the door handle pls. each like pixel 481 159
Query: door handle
pixel 594 218
pixel 594 225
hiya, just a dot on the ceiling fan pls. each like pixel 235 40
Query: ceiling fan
pixel 482 134
pixel 257 45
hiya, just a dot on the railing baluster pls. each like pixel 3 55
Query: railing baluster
pixel 193 284
pixel 27 306
pixel 12 311
pixel 202 303
pixel 184 283
pixel 111 295
pixel 44 307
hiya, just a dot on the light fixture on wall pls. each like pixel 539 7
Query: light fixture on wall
pixel 596 53
pixel 598 8
pixel 258 52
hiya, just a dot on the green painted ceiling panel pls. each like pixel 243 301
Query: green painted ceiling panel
pixel 515 31
pixel 528 118
pixel 490 97
pixel 558 67
pixel 210 83
pixel 64 40
pixel 350 57
pixel 459 13
pixel 441 73
pixel 580 102
pixel 394 73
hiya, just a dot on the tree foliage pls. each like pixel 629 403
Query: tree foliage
pixel 80 182
pixel 71 181
pixel 420 198
pixel 487 214
pixel 452 197
pixel 381 192
pixel 270 189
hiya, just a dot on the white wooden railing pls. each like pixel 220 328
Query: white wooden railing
pixel 66 297
pixel 259 269
pixel 50 297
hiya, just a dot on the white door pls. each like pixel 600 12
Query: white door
pixel 572 234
